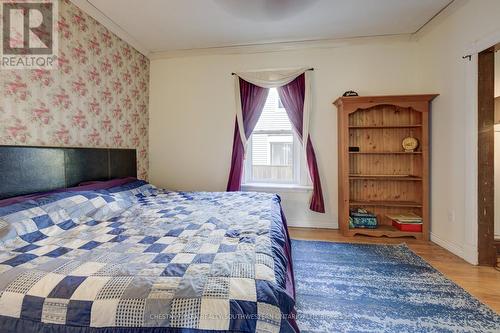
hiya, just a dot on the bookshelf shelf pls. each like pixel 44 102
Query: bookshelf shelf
pixel 385 203
pixel 384 177
pixel 385 153
pixel 384 230
pixel 385 126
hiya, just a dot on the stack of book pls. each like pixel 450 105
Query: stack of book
pixel 406 222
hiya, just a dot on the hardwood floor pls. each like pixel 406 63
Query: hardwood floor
pixel 482 282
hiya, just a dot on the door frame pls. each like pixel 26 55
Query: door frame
pixel 486 157
pixel 471 141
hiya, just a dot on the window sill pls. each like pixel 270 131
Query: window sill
pixel 265 187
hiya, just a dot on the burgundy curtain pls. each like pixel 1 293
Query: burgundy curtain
pixel 253 99
pixel 292 97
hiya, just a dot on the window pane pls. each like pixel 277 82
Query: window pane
pixel 280 104
pixel 272 158
pixel 273 117
pixel 272 152
pixel 281 153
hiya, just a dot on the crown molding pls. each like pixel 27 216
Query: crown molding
pixel 274 46
pixel 438 19
pixel 100 17
pixel 432 19
pixel 280 46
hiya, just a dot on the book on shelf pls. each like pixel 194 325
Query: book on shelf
pixel 408 218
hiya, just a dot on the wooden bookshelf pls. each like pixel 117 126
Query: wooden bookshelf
pixel 381 177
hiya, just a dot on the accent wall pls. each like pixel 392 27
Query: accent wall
pixel 97 97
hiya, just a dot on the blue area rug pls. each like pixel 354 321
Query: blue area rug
pixel 344 287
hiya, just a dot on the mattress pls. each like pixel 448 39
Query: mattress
pixel 134 258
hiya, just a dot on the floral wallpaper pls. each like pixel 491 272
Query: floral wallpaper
pixel 97 96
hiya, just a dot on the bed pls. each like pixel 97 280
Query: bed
pixel 124 256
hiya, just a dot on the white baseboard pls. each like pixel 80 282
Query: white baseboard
pixel 311 224
pixel 468 253
pixel 471 255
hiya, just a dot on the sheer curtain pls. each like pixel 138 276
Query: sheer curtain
pixel 294 88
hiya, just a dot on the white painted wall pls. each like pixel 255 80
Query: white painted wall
pixel 442 69
pixel 192 112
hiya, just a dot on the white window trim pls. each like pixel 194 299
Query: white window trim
pixel 266 187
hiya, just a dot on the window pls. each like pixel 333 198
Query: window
pixel 274 153
pixel 280 104
pixel 281 153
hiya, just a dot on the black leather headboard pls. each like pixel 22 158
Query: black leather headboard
pixel 25 170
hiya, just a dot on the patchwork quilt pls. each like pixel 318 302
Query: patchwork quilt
pixel 139 259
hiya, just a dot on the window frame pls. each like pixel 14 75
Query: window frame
pixel 300 173
pixel 301 178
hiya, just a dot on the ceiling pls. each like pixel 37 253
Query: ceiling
pixel 168 25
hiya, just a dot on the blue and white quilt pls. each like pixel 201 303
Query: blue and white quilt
pixel 138 259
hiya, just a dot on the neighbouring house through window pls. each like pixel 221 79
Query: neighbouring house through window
pixel 281 153
pixel 274 153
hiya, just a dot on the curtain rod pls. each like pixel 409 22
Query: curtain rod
pixel 309 69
